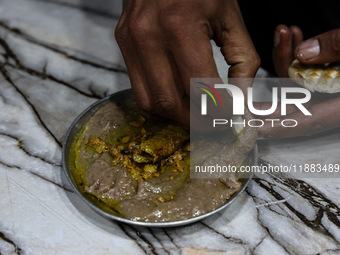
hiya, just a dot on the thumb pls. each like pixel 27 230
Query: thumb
pixel 237 47
pixel 324 48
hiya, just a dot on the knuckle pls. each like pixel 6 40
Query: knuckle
pixel 173 23
pixel 144 105
pixel 317 128
pixel 255 61
pixel 164 104
pixel 252 63
pixel 318 124
pixel 121 34
pixel 244 61
pixel 140 27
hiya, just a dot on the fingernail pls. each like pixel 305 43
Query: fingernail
pixel 309 49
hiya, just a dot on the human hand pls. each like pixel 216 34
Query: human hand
pixel 325 108
pixel 165 43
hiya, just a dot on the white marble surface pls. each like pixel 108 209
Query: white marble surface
pixel 59 56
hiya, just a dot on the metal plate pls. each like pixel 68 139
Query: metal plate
pixel 83 118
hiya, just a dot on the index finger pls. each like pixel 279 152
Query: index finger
pixel 237 48
pixel 192 52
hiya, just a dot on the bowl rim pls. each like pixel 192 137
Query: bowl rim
pixel 128 221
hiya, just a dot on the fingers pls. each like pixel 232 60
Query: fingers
pixel 325 116
pixel 165 43
pixel 324 48
pixel 163 83
pixel 325 109
pixel 285 41
pixel 237 47
pixel 282 52
pixel 190 47
pixel 133 64
pixel 195 60
pixel 297 36
pixel 153 73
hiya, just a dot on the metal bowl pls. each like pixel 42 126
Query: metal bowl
pixel 83 118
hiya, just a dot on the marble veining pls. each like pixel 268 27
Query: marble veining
pixel 56 58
